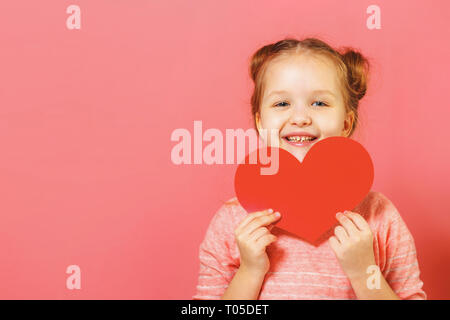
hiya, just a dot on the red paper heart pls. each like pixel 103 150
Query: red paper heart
pixel 335 175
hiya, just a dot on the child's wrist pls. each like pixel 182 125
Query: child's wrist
pixel 360 274
pixel 251 272
pixel 357 276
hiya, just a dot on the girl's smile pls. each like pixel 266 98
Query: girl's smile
pixel 300 139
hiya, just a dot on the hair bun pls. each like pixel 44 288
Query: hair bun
pixel 357 72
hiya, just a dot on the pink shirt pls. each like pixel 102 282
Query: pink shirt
pixel 299 270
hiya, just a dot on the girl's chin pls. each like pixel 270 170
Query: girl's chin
pixel 297 152
pixel 300 155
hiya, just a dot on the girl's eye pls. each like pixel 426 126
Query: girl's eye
pixel 278 104
pixel 324 104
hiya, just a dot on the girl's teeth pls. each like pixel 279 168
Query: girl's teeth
pixel 301 139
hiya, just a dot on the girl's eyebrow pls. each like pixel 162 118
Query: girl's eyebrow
pixel 277 92
pixel 314 92
pixel 324 92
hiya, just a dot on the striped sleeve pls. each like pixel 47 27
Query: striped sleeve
pixel 402 268
pixel 217 266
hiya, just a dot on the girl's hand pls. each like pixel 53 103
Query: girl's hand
pixel 353 244
pixel 252 238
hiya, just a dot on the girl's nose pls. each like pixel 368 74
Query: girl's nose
pixel 300 116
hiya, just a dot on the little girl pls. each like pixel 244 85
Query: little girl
pixel 306 88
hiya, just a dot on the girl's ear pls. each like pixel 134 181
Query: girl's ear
pixel 348 123
pixel 258 121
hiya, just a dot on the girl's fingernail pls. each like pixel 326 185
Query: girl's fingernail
pixel 338 214
pixel 270 210
pixel 277 214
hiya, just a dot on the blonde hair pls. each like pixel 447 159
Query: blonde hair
pixel 352 68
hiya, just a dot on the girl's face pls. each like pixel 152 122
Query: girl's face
pixel 302 96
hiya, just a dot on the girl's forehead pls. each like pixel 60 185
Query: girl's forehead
pixel 298 72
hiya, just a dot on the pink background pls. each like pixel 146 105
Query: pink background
pixel 86 117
